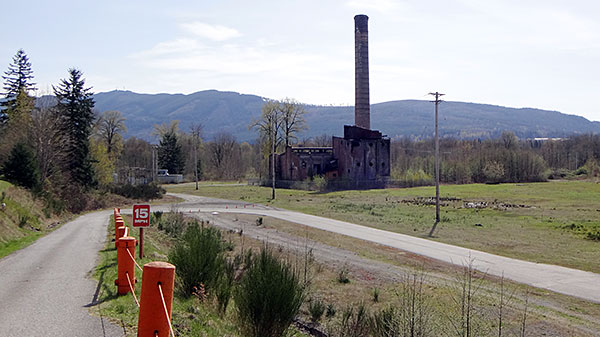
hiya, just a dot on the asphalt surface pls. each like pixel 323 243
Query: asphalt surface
pixel 573 282
pixel 46 288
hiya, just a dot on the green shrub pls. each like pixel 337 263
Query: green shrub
pixel 593 235
pixel 319 183
pixel 375 295
pixel 143 192
pixel 156 217
pixel 412 178
pixel 316 308
pixel 269 297
pixel 172 223
pixel 199 259
pixel 386 323
pixel 330 310
pixel 354 323
pixel 224 288
pixel 21 167
pixel 23 219
pixel 343 276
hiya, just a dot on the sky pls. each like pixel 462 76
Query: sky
pixel 518 53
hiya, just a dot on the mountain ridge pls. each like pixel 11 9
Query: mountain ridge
pixel 233 112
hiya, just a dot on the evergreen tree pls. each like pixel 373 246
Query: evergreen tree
pixel 16 82
pixel 170 156
pixel 75 104
pixel 21 167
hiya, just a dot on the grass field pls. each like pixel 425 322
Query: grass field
pixel 556 222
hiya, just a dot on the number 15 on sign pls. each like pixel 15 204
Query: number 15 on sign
pixel 141 218
pixel 141 215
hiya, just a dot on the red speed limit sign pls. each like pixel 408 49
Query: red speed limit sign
pixel 141 215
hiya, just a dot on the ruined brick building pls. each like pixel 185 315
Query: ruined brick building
pixel 359 159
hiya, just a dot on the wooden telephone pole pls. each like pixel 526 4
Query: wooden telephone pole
pixel 437 162
pixel 274 139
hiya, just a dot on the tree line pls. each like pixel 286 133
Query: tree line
pixel 505 159
pixel 49 148
pixel 67 152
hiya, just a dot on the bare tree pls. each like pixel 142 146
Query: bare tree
pixel 136 153
pixel 221 150
pixel 48 140
pixel 110 125
pixel 523 329
pixel 161 129
pixel 292 119
pixel 323 140
pixel 466 320
pixel 269 127
pixel 505 300
pixel 413 317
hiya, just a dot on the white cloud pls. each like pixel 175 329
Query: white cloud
pixel 212 32
pixel 178 46
pixel 377 5
pixel 262 67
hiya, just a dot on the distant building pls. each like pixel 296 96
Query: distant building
pixel 163 177
pixel 361 159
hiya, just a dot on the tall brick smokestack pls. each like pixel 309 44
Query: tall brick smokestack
pixel 362 108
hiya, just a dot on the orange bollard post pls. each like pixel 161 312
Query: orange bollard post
pixel 118 223
pixel 126 265
pixel 152 319
pixel 121 233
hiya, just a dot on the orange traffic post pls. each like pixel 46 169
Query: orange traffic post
pixel 122 231
pixel 156 299
pixel 126 265
pixel 118 223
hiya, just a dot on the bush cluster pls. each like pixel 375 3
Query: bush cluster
pixel 172 223
pixel 268 297
pixel 199 258
pixel 268 294
pixel 143 192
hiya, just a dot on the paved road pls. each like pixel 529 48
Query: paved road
pixel 563 280
pixel 46 289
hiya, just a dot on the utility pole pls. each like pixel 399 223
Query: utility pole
pixel 196 130
pixel 273 139
pixel 154 164
pixel 196 160
pixel 437 162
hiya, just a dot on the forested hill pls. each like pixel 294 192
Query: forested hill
pixel 233 112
